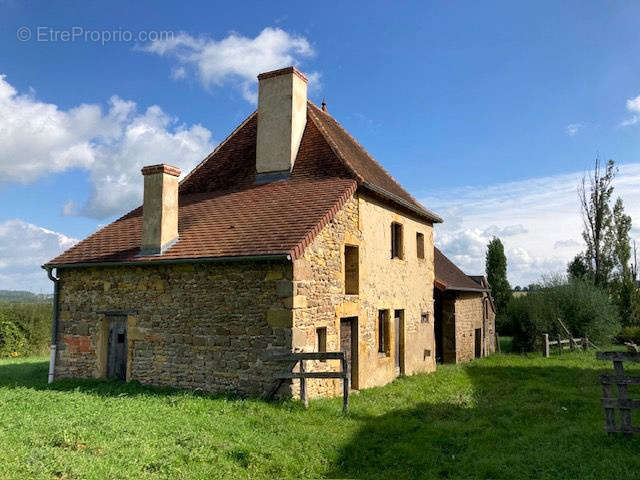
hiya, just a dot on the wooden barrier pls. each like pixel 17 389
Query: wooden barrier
pixel 622 401
pixel 300 357
pixel 570 343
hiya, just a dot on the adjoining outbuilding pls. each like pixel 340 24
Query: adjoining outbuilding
pixel 464 325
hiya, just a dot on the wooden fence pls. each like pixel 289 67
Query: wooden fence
pixel 622 402
pixel 303 374
pixel 563 344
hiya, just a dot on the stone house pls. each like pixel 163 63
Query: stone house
pixel 464 323
pixel 288 236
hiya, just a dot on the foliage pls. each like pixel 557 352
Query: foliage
pixel 502 417
pixel 24 328
pixel 578 268
pixel 496 267
pixel 595 196
pixel 629 334
pixel 583 308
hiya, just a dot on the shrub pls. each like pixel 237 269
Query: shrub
pixel 25 328
pixel 629 334
pixel 584 309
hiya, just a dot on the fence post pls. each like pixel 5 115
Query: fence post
pixel 572 344
pixel 585 343
pixel 303 386
pixel 345 384
pixel 560 343
pixel 545 352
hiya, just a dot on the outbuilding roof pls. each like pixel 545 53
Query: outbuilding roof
pixel 450 277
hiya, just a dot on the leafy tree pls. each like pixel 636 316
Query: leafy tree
pixel 517 288
pixel 496 267
pixel 595 195
pixel 578 268
pixel 623 287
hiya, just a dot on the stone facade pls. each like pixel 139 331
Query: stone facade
pixel 384 284
pixel 196 326
pixel 462 314
pixel 212 326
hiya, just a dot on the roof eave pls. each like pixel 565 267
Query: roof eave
pixel 421 212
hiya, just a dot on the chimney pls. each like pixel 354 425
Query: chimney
pixel 160 209
pixel 282 116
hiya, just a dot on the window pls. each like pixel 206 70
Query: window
pixel 396 240
pixel 383 331
pixel 424 317
pixel 351 273
pixel 321 335
pixel 420 244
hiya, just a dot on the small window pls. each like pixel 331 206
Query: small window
pixel 396 240
pixel 424 317
pixel 383 331
pixel 420 244
pixel 351 271
pixel 321 335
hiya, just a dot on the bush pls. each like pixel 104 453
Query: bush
pixel 629 334
pixel 25 328
pixel 583 308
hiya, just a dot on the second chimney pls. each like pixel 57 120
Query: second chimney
pixel 282 116
pixel 160 209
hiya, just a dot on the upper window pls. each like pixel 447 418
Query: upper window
pixel 420 245
pixel 321 335
pixel 351 271
pixel 396 240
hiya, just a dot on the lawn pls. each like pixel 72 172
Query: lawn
pixel 506 416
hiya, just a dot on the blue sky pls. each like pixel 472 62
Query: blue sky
pixel 468 105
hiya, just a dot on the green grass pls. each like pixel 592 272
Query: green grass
pixel 505 416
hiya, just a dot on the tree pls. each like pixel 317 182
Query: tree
pixel 517 288
pixel 595 194
pixel 496 268
pixel 578 268
pixel 623 287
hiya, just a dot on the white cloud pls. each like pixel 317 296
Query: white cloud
pixel 542 215
pixel 235 58
pixel 633 105
pixel 23 248
pixel 573 128
pixel 38 138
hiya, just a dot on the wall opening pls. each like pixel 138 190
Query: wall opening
pixel 321 339
pixel 478 342
pixel 420 245
pixel 398 320
pixel 351 270
pixel 383 332
pixel 349 345
pixel 397 250
pixel 117 347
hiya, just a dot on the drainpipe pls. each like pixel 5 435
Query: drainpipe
pixel 54 324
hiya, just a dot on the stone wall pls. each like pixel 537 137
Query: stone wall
pixel 384 283
pixel 205 326
pixel 469 316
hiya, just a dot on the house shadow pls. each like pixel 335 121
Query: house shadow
pixel 513 422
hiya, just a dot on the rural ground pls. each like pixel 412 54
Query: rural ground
pixel 506 416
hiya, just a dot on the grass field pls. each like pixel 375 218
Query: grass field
pixel 505 416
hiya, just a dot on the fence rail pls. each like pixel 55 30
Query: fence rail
pixel 622 402
pixel 300 357
pixel 563 344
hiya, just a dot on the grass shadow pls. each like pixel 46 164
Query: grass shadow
pixel 516 422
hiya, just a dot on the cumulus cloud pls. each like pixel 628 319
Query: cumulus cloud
pixel 23 248
pixel 538 221
pixel 234 58
pixel 39 138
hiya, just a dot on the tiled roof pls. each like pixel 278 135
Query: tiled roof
pixel 224 212
pixel 450 277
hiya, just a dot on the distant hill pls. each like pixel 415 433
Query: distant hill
pixel 24 297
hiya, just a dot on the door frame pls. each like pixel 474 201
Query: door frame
pixel 399 343
pixel 355 371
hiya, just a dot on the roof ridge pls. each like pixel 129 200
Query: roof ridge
pixel 364 150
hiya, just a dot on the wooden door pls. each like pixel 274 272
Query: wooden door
pixel 117 350
pixel 398 318
pixel 348 345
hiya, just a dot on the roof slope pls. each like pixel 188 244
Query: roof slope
pixel 223 212
pixel 451 277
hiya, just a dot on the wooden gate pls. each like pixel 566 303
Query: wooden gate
pixel 622 402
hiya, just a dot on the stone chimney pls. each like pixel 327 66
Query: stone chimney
pixel 160 209
pixel 282 116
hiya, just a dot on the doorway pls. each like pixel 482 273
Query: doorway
pixel 398 320
pixel 437 325
pixel 478 342
pixel 117 348
pixel 349 345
